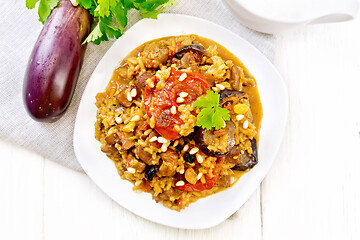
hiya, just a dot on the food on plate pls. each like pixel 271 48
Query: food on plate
pixel 180 118
pixel 55 62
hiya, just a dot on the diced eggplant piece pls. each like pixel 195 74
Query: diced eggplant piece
pixel 144 125
pixel 169 156
pixel 125 139
pixel 143 155
pixel 133 162
pixel 156 56
pixel 231 97
pixel 122 98
pixel 140 81
pixel 108 149
pixel 205 138
pixel 154 144
pixel 246 160
pixel 220 132
pixel 233 156
pixel 189 56
pixel 223 181
pixel 188 61
pixel 112 139
pixel 169 163
pixel 196 49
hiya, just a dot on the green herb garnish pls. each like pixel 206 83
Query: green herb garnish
pixel 45 7
pixel 104 11
pixel 211 115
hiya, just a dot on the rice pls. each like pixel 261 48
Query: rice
pixel 157 149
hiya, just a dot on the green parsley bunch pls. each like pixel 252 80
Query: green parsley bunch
pixel 104 11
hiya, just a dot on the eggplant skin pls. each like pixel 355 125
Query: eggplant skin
pixel 204 137
pixel 199 49
pixel 55 62
pixel 246 160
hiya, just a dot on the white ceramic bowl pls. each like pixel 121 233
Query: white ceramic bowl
pixel 277 16
pixel 214 209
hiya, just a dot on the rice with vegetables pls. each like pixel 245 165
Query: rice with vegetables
pixel 180 118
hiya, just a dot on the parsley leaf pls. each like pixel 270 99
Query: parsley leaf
pixel 30 4
pixel 45 8
pixel 211 115
pixel 104 12
pixel 94 35
pixel 103 8
pixel 205 118
pixel 87 4
pixel 120 13
pixel 151 8
pixel 211 99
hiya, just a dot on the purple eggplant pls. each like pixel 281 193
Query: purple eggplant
pixel 55 62
pixel 196 49
pixel 204 138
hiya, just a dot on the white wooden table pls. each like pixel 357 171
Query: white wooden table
pixel 311 192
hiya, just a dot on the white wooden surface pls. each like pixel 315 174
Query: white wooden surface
pixel 311 192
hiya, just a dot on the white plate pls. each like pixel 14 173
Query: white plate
pixel 214 209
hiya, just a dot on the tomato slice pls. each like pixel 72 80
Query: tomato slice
pixel 158 102
pixel 199 186
pixel 209 182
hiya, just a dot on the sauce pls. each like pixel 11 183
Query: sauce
pixel 108 105
pixel 252 91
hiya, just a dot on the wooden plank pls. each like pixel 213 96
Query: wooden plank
pixel 312 190
pixel 244 224
pixel 21 178
pixel 74 208
pixel 83 211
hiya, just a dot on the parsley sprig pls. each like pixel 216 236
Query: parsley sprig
pixel 211 115
pixel 104 11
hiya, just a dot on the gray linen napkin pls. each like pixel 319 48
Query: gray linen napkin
pixel 19 29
